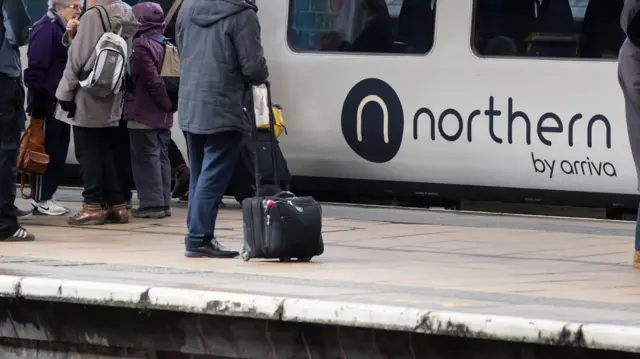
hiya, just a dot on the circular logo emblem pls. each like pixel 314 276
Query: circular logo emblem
pixel 373 121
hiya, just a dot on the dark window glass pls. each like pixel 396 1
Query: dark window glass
pixel 36 9
pixel 548 28
pixel 361 26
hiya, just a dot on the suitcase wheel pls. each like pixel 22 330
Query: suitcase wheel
pixel 303 259
pixel 245 255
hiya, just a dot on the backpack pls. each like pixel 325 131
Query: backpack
pixel 103 74
pixel 170 71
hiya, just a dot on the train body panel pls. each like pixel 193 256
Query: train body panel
pixel 453 117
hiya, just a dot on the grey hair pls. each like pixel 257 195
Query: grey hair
pixel 56 4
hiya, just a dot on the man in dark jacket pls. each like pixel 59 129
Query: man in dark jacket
pixel 14 33
pixel 629 78
pixel 221 54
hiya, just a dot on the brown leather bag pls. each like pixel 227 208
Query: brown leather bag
pixel 32 158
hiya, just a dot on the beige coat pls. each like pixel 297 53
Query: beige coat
pixel 95 112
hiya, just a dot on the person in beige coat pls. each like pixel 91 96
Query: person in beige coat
pixel 95 119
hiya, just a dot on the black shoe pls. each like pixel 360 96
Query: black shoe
pixel 22 214
pixel 154 213
pixel 211 250
pixel 167 211
pixel 21 235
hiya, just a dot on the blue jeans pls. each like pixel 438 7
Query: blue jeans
pixel 212 159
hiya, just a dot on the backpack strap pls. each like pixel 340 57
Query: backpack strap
pixel 101 10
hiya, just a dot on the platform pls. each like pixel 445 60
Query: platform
pixel 506 277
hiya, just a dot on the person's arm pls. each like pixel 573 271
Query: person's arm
pixel 18 18
pixel 39 59
pixel 145 72
pixel 245 36
pixel 80 51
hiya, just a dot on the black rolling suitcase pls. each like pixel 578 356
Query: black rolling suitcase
pixel 280 226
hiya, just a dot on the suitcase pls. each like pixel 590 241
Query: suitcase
pixel 242 184
pixel 280 226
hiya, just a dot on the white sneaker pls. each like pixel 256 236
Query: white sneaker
pixel 49 207
pixel 59 204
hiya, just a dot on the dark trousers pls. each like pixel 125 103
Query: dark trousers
pixel 637 239
pixel 11 124
pixel 212 159
pixel 95 153
pixel 151 166
pixel 123 164
pixel 56 143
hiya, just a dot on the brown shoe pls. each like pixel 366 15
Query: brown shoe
pixel 90 215
pixel 118 214
pixel 636 260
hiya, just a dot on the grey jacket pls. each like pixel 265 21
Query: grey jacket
pixel 220 53
pixel 629 75
pixel 93 111
pixel 14 33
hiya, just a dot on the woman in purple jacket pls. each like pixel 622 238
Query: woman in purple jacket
pixel 47 57
pixel 149 115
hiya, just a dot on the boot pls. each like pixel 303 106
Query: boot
pixel 118 214
pixel 636 260
pixel 91 214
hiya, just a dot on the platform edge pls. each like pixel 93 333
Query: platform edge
pixel 351 314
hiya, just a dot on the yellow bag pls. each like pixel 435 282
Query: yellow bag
pixel 278 125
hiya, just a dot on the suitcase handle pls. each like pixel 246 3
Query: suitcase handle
pixel 252 120
pixel 284 194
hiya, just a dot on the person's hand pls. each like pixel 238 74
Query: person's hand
pixel 72 27
pixel 70 107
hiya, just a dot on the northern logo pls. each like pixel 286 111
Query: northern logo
pixel 373 120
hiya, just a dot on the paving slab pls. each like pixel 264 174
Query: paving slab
pixel 495 266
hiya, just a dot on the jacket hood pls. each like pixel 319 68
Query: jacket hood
pixel 150 16
pixel 208 12
pixel 630 20
pixel 123 16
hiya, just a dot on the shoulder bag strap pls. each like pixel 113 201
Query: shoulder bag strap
pixel 172 11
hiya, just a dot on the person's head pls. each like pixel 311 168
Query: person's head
pixel 150 16
pixel 67 9
pixel 630 21
pixel 501 46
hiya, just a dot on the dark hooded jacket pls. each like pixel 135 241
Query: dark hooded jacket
pixel 148 102
pixel 220 54
pixel 629 75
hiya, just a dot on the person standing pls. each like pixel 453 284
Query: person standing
pixel 14 33
pixel 149 115
pixel 629 79
pixel 211 105
pixel 47 57
pixel 95 119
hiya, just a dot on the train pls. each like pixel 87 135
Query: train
pixel 511 101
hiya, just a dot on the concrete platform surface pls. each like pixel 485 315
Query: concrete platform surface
pixel 562 281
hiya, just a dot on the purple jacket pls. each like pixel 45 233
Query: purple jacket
pixel 47 57
pixel 148 103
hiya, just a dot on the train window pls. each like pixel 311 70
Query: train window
pixel 548 28
pixel 361 26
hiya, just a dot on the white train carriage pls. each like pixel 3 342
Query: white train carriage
pixel 485 99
